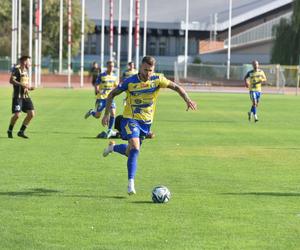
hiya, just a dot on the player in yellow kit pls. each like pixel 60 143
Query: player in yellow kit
pixel 253 81
pixel 142 90
pixel 105 83
pixel 131 70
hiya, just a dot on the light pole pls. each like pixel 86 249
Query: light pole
pixel 186 38
pixel 229 40
pixel 119 38
pixel 129 58
pixel 82 43
pixel 145 28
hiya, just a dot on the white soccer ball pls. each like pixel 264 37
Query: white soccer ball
pixel 161 194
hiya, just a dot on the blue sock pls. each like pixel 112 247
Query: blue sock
pixel 93 112
pixel 120 148
pixel 254 110
pixel 132 163
pixel 111 122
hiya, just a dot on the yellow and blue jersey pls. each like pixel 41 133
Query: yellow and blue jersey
pixel 106 83
pixel 142 96
pixel 255 78
pixel 128 73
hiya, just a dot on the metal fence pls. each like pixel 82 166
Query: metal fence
pixel 281 78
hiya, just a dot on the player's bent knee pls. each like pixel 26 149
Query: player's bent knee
pixel 16 115
pixel 97 115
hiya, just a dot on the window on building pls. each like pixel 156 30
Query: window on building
pixel 152 47
pixel 162 48
pixel 93 44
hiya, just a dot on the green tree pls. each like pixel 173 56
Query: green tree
pixel 50 29
pixel 286 48
pixel 5 28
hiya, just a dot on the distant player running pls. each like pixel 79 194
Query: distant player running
pixel 94 72
pixel 131 70
pixel 105 83
pixel 21 100
pixel 142 90
pixel 253 80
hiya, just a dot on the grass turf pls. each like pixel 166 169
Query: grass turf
pixel 234 184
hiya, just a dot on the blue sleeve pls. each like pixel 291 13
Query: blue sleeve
pixel 98 79
pixel 123 85
pixel 247 75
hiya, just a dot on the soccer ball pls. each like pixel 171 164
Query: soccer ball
pixel 161 194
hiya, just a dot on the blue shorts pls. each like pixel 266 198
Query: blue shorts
pixel 255 96
pixel 101 103
pixel 131 128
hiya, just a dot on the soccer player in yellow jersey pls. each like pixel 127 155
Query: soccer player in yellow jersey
pixel 105 83
pixel 142 91
pixel 131 70
pixel 21 100
pixel 253 80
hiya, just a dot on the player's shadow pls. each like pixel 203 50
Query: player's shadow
pixel 32 192
pixel 95 196
pixel 276 194
pixel 88 137
pixel 198 121
pixel 49 192
pixel 142 202
pixel 284 148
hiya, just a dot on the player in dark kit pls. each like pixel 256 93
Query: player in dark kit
pixel 21 100
pixel 94 72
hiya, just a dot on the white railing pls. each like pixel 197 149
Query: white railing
pixel 259 33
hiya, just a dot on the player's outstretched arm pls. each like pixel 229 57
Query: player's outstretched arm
pixel 109 101
pixel 190 104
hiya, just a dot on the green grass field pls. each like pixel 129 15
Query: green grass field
pixel 234 184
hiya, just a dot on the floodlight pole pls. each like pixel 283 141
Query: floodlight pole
pixel 40 41
pixel 119 39
pixel 16 32
pixel 145 28
pixel 19 28
pixel 36 40
pixel 111 29
pixel 186 38
pixel 137 33
pixel 30 38
pixel 69 41
pixel 61 19
pixel 229 40
pixel 102 34
pixel 13 33
pixel 129 58
pixel 215 26
pixel 82 43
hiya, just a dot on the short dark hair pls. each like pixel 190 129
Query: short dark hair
pixel 149 60
pixel 109 62
pixel 24 58
pixel 130 63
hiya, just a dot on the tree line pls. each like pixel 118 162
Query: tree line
pixel 286 47
pixel 50 29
